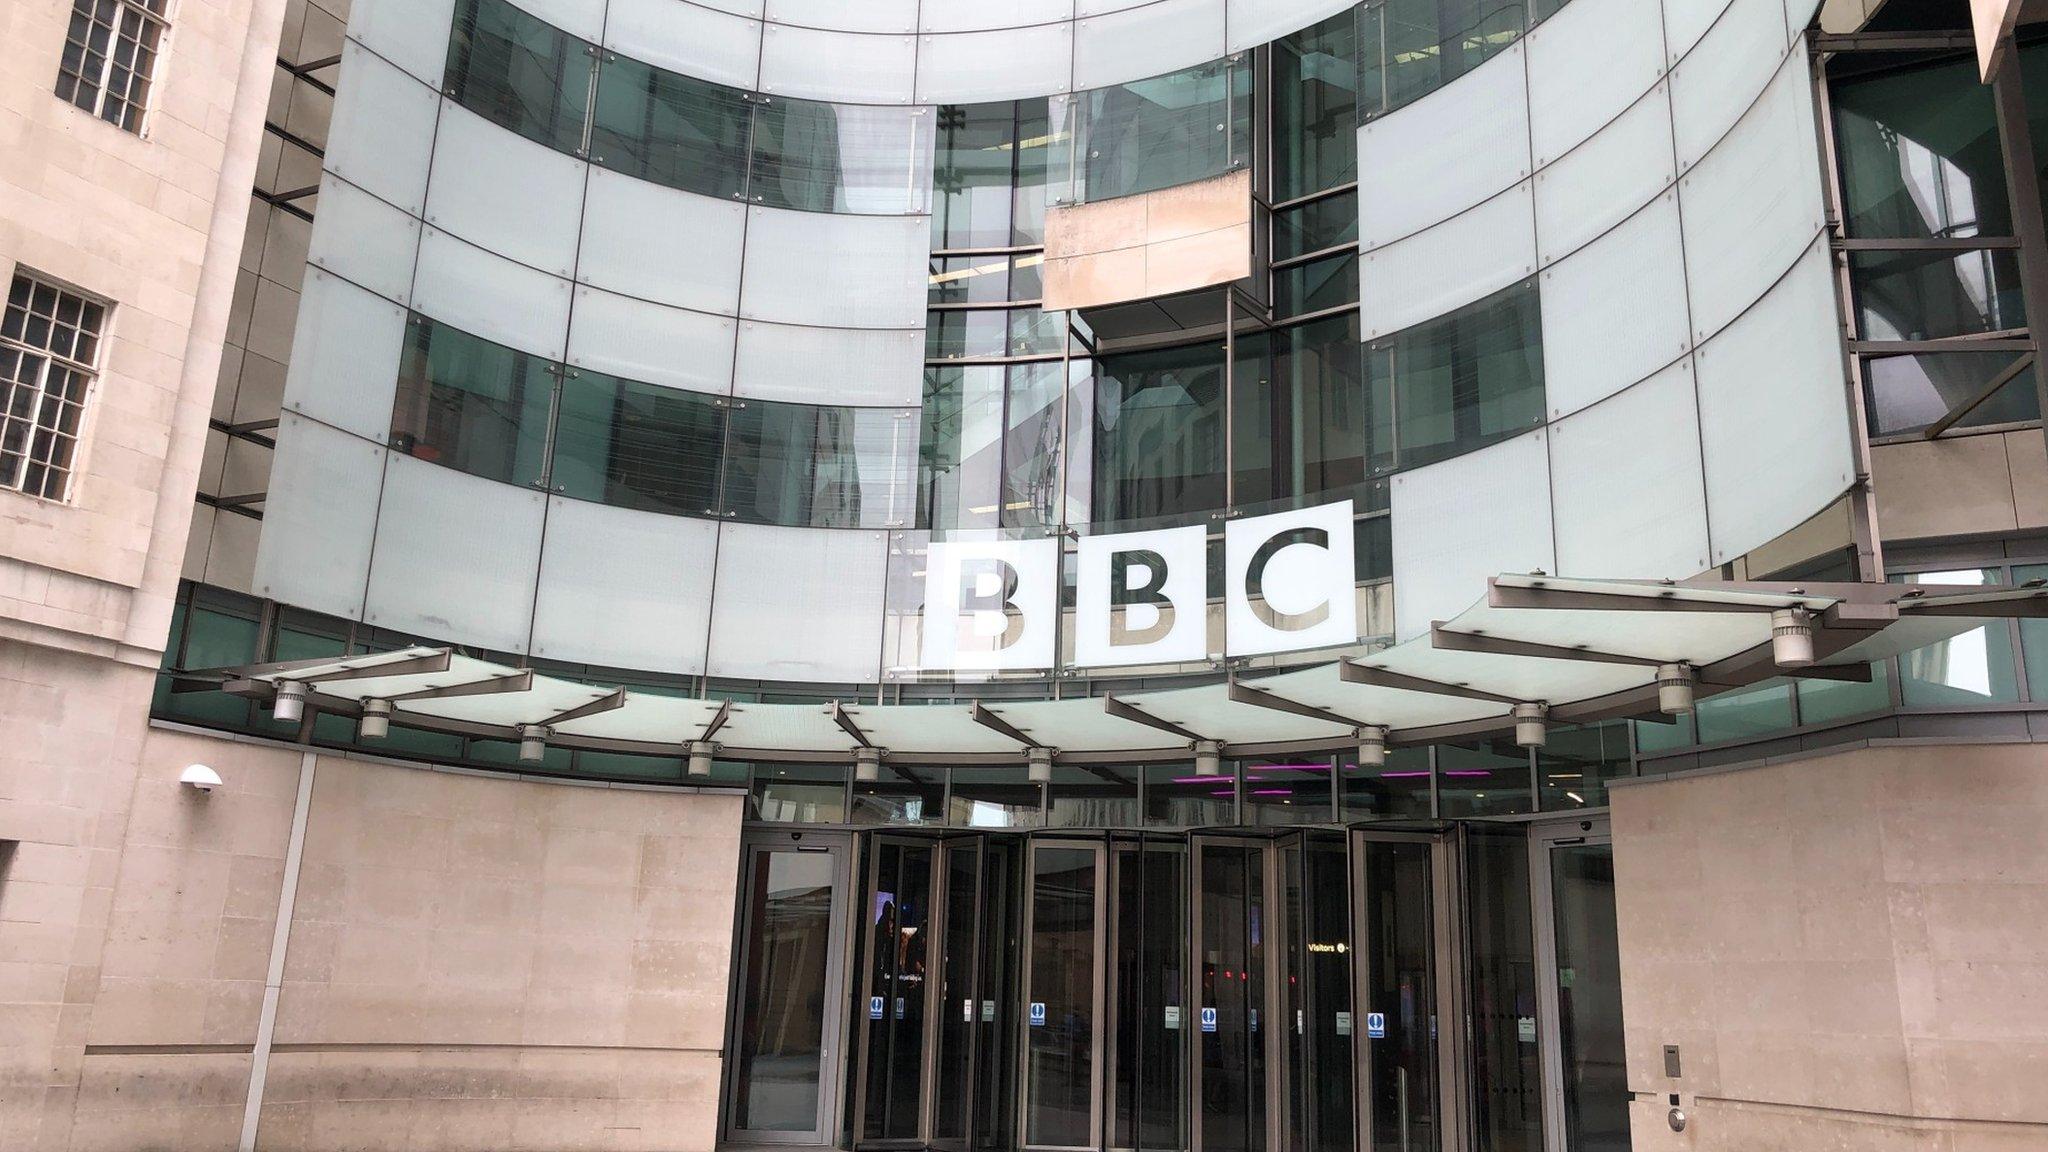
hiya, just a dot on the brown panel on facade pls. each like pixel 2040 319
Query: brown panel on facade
pixel 1154 244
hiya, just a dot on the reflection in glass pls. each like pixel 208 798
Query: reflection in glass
pixel 637 445
pixel 1399 788
pixel 1507 1090
pixel 799 793
pixel 1156 133
pixel 1973 668
pixel 1744 713
pixel 956 1002
pixel 1824 701
pixel 1920 154
pixel 974 169
pixel 1231 979
pixel 670 128
pixel 1918 295
pixel 472 405
pixel 519 73
pixel 778 1067
pixel 856 158
pixel 1315 114
pixel 1176 797
pixel 1596 1093
pixel 1096 796
pixel 1060 1044
pixel 898 913
pixel 819 467
pixel 1410 48
pixel 1907 393
pixel 1401 985
pixel 1488 777
pixel 1575 764
pixel 1159 427
pixel 993 796
pixel 1452 384
pixel 2033 636
pixel 1033 432
pixel 904 795
pixel 1316 286
pixel 1149 1082
pixel 1300 420
pixel 1319 224
pixel 1292 791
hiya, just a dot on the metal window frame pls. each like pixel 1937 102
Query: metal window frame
pixel 103 83
pixel 89 370
pixel 1543 839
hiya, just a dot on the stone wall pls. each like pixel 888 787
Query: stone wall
pixel 1851 951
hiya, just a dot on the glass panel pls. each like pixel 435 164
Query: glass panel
pixel 1410 48
pixel 1315 114
pixel 1745 713
pixel 806 466
pixel 1159 431
pixel 1973 668
pixel 840 157
pixel 960 457
pixel 1400 788
pixel 638 445
pixel 1823 701
pixel 220 632
pixel 1317 225
pixel 1150 1077
pixel 1920 154
pixel 1400 986
pixel 973 174
pixel 1100 796
pixel 778 1067
pixel 1325 1000
pixel 1316 286
pixel 1932 295
pixel 1034 428
pixel 995 1111
pixel 968 334
pixel 1294 791
pixel 1455 383
pixel 969 280
pixel 1301 414
pixel 1575 764
pixel 799 793
pixel 472 405
pixel 993 797
pixel 670 128
pixel 1490 778
pixel 1507 1083
pixel 893 1020
pixel 902 796
pixel 1231 893
pixel 956 1007
pixel 1907 393
pixel 1176 797
pixel 1059 1083
pixel 519 73
pixel 2033 636
pixel 1596 1094
pixel 1162 132
pixel 1653 736
pixel 1036 145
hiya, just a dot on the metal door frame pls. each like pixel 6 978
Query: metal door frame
pixel 1099 845
pixel 1447 973
pixel 1543 838
pixel 935 913
pixel 942 884
pixel 1265 841
pixel 755 843
pixel 1138 841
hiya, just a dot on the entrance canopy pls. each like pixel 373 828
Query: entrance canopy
pixel 1539 648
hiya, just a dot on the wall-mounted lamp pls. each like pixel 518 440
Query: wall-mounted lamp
pixel 376 721
pixel 867 765
pixel 1372 746
pixel 533 743
pixel 701 754
pixel 1792 637
pixel 1208 758
pixel 199 778
pixel 1674 689
pixel 1040 762
pixel 1532 724
pixel 290 704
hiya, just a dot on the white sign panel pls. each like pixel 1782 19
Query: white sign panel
pixel 1141 598
pixel 990 603
pixel 1288 581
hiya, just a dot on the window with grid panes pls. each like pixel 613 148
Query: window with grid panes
pixel 110 56
pixel 49 348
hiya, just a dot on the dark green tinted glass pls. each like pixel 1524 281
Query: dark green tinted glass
pixel 1317 225
pixel 960 454
pixel 797 464
pixel 1410 48
pixel 519 72
pixel 1904 295
pixel 469 404
pixel 840 157
pixel 1159 433
pixel 1032 445
pixel 1301 414
pixel 670 128
pixel 638 445
pixel 1919 153
pixel 973 172
pixel 1316 286
pixel 1315 114
pixel 1457 382
pixel 1908 393
pixel 1165 131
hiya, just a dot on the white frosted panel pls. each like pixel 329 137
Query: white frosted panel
pixel 861 16
pixel 382 131
pixel 492 297
pixel 736 7
pixel 361 238
pixel 1453 148
pixel 662 244
pixel 1723 75
pixel 1614 311
pixel 1587 64
pixel 1461 520
pixel 798 603
pixel 1257 22
pixel 975 15
pixel 501 191
pixel 412 34
pixel 1685 21
pixel 1625 478
pixel 842 271
pixel 1449 266
pixel 457 556
pixel 1165 36
pixel 1098 7
pixel 686 38
pixel 624 588
pixel 858 366
pixel 654 343
pixel 1014 63
pixel 1752 205
pixel 1799 14
pixel 581 18
pixel 846 67
pixel 344 365
pixel 319 515
pixel 1596 185
pixel 1773 417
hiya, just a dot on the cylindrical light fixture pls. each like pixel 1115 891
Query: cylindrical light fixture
pixel 1372 746
pixel 1040 762
pixel 1675 688
pixel 290 703
pixel 533 743
pixel 701 754
pixel 1208 758
pixel 1532 724
pixel 1792 637
pixel 376 721
pixel 867 765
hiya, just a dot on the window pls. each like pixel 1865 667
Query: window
pixel 519 73
pixel 1456 383
pixel 49 348
pixel 638 445
pixel 1157 133
pixel 472 405
pixel 109 57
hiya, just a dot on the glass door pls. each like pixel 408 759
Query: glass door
pixel 1147 1004
pixel 1063 982
pixel 1585 1072
pixel 1316 985
pixel 896 947
pixel 957 985
pixel 1409 1016
pixel 1230 921
pixel 786 1013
